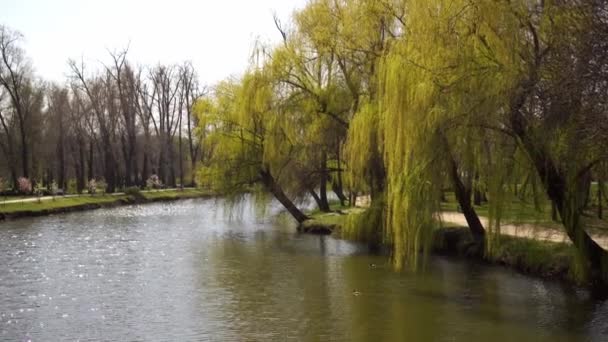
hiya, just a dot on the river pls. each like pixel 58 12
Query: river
pixel 188 271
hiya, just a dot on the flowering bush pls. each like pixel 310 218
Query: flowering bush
pixel 154 182
pixel 25 186
pixel 92 187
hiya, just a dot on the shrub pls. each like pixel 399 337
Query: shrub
pixel 72 187
pixel 154 182
pixel 25 186
pixel 53 189
pixel 39 191
pixel 92 186
pixel 134 192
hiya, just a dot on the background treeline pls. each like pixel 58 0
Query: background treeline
pixel 121 124
pixel 409 100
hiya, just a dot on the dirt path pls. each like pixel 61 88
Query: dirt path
pixel 530 231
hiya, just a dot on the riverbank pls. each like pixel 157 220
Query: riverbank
pixel 546 259
pixel 50 206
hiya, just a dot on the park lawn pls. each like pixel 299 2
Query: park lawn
pixel 176 194
pixel 59 202
pixel 523 212
pixel 70 202
pixel 336 219
pixel 515 211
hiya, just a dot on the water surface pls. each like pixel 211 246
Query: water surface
pixel 185 271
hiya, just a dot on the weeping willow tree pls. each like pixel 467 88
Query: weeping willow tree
pixel 330 58
pixel 441 93
pixel 305 70
pixel 250 143
pixel 555 110
pixel 470 86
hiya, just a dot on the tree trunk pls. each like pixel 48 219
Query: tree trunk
pixel 145 173
pixel 337 189
pixel 193 150
pixel 162 175
pixel 278 193
pixel 323 202
pixel 171 165
pixel 15 178
pixel 181 153
pixel 338 185
pixel 80 181
pixel 133 152
pixel 477 197
pixel 24 152
pixel 127 160
pixel 600 209
pixel 110 169
pixel 463 196
pixel 61 155
pixel 91 174
pixel 193 172
pixel 554 216
pixel 377 176
pixel 316 197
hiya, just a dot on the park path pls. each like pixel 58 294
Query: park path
pixel 526 230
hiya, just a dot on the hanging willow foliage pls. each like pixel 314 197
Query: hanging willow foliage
pixel 441 86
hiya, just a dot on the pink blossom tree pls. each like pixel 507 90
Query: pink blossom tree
pixel 25 185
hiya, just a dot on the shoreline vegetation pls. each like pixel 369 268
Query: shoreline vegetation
pixel 59 204
pixel 549 260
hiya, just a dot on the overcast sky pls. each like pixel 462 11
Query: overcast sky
pixel 216 35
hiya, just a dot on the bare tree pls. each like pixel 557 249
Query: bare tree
pixel 100 93
pixel 191 92
pixel 14 78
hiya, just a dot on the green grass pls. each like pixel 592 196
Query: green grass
pixel 176 194
pixel 515 211
pixel 336 219
pixel 334 206
pixel 63 202
pixel 59 202
pixel 327 219
pixel 534 256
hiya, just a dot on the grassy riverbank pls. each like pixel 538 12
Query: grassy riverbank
pixel 539 258
pixel 87 202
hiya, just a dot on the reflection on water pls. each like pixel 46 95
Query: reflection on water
pixel 186 271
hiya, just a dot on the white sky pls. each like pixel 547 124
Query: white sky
pixel 216 35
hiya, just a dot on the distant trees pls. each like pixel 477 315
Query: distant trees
pixel 21 103
pixel 117 123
